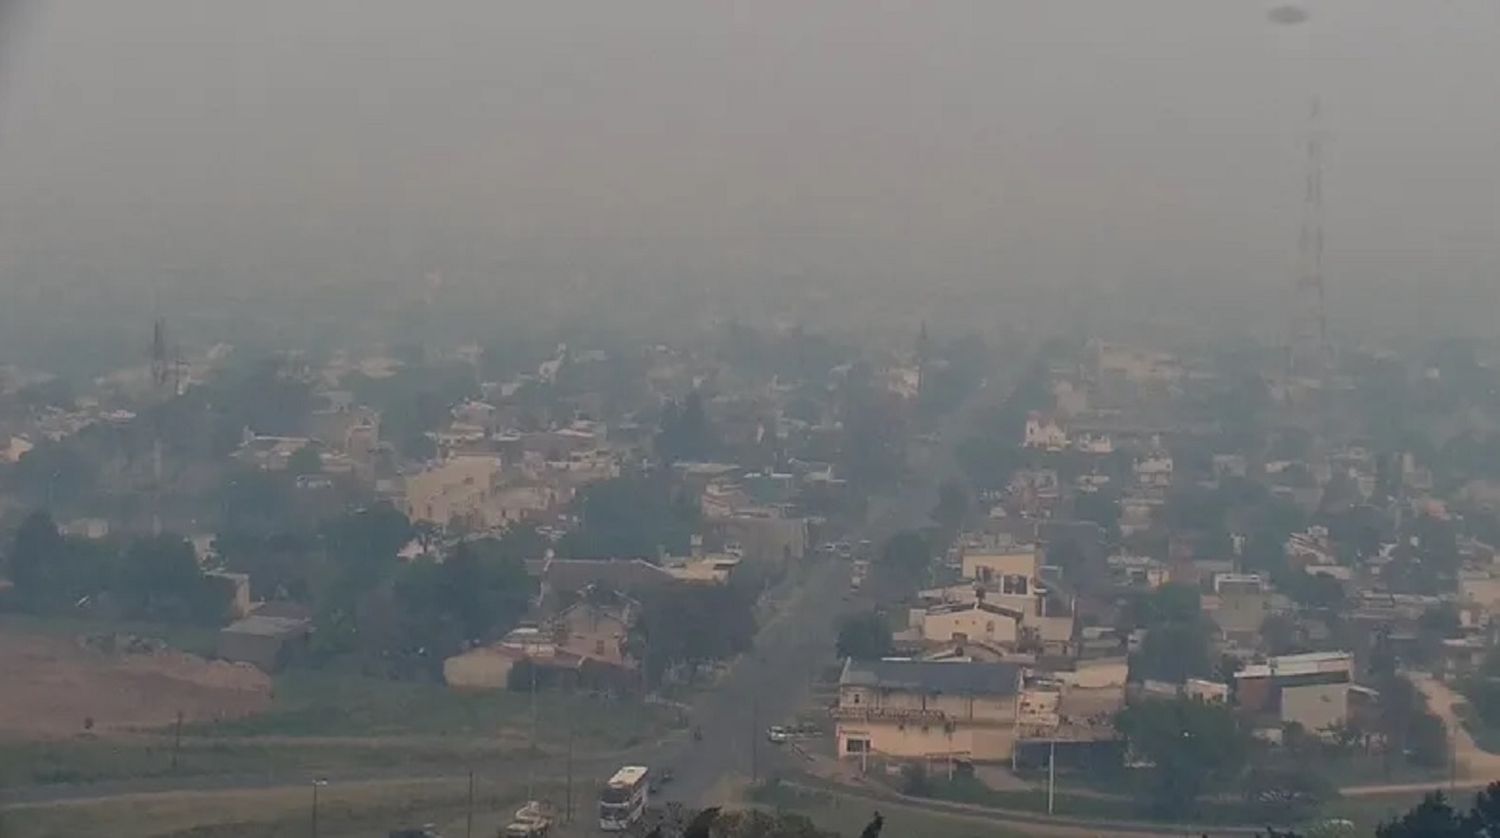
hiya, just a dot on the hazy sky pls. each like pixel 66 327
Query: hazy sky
pixel 218 150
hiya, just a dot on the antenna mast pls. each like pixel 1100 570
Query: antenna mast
pixel 1311 352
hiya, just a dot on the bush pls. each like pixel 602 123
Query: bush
pixel 914 781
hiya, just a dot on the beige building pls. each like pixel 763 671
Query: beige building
pixel 1480 588
pixel 588 643
pixel 597 632
pixel 458 489
pixel 1006 606
pixel 1010 566
pixel 906 709
pixel 977 621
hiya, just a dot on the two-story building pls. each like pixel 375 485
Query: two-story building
pixel 907 709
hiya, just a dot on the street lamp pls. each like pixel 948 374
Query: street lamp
pixel 316 784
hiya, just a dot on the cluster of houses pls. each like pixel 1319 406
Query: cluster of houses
pixel 1022 644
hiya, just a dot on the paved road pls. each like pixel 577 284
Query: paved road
pixel 771 683
pixel 767 686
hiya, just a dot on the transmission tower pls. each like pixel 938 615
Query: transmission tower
pixel 163 376
pixel 1310 353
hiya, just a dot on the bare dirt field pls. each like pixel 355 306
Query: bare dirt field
pixel 49 686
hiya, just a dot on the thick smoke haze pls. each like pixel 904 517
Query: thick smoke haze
pixel 317 164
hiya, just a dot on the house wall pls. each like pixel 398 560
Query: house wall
pixel 1483 591
pixel 478 670
pixel 973 624
pixel 596 636
pixel 915 740
pixel 960 707
pixel 1315 706
pixel 1019 562
pixel 1056 633
pixel 1254 694
pixel 267 652
pixel 454 489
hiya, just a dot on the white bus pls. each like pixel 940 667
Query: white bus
pixel 623 800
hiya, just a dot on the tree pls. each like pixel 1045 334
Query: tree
pixel 745 823
pixel 1484 817
pixel 1432 818
pixel 484 589
pixel 906 555
pixel 522 541
pixel 1173 652
pixel 685 431
pixel 631 517
pixel 864 636
pixel 159 579
pixel 305 460
pixel 1176 645
pixel 1194 747
pixel 952 506
pixel 873 448
pixel 36 552
pixel 367 538
pixel 415 401
pixel 754 823
pixel 55 474
pixel 691 626
pixel 989 462
pixel 1103 508
pixel 284 566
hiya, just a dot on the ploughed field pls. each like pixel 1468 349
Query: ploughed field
pixel 65 685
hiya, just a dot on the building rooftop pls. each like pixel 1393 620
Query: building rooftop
pixel 933 676
pixel 264 626
pixel 1304 664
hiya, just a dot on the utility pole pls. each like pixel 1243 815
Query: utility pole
pixel 568 793
pixel 754 737
pixel 531 762
pixel 469 813
pixel 176 740
pixel 1051 773
pixel 316 784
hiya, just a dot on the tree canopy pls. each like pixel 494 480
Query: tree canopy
pixel 864 636
pixel 631 517
pixel 1176 645
pixel 1194 747
pixel 685 434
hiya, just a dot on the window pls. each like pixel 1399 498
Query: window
pixel 856 746
pixel 599 647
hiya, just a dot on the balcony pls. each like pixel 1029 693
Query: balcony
pixel 888 714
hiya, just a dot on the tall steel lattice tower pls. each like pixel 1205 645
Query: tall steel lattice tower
pixel 1310 352
pixel 163 376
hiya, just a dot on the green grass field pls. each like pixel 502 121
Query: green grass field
pixel 318 704
pixel 344 810
pixel 848 815
pixel 340 724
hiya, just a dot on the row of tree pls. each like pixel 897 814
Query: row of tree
pixel 1436 817
pixel 150 578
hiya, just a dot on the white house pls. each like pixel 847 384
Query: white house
pixel 1094 444
pixel 1045 434
pixel 1154 471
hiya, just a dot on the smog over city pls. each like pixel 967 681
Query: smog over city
pixel 735 418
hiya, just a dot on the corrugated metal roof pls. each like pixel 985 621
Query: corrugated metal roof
pixel 263 626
